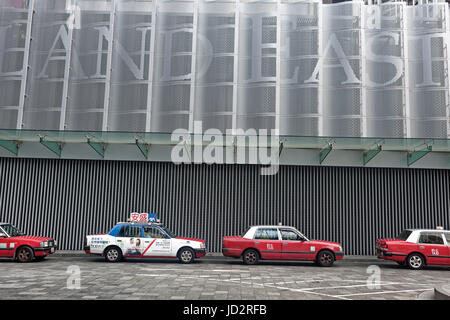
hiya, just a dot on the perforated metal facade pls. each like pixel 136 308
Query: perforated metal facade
pixel 306 68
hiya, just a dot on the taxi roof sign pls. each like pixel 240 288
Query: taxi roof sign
pixel 143 217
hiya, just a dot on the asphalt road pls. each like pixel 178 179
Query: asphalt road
pixel 89 277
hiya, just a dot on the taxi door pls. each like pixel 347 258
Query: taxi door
pixel 5 245
pixel 268 243
pixel 156 243
pixel 447 258
pixel 294 246
pixel 129 240
pixel 432 245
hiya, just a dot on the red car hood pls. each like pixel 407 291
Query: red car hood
pixel 32 238
pixel 318 242
pixel 190 239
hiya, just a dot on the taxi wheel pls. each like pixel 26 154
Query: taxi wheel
pixel 113 254
pixel 415 261
pixel 250 257
pixel 186 255
pixel 24 254
pixel 325 258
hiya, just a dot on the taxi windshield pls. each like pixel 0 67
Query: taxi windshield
pixel 168 231
pixel 11 230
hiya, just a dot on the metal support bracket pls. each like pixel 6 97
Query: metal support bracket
pixel 188 149
pixel 55 147
pixel 11 146
pixel 280 148
pixel 98 147
pixel 324 152
pixel 371 153
pixel 143 147
pixel 415 155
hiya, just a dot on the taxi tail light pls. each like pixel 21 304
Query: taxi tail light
pixel 384 245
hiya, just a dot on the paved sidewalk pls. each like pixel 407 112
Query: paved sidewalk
pixel 212 278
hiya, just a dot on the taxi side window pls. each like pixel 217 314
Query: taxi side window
pixel 130 232
pixel 447 236
pixel 151 232
pixel 290 235
pixel 266 234
pixel 431 238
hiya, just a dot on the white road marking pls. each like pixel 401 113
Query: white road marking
pixel 156 275
pixel 382 292
pixel 310 292
pixel 190 270
pixel 359 285
pixel 317 280
pixel 299 290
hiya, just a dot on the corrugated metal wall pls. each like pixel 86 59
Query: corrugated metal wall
pixel 67 199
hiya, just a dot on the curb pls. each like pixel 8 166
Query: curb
pixel 442 292
pixel 215 256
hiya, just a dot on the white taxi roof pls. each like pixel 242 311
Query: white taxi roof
pixel 272 226
pixel 429 230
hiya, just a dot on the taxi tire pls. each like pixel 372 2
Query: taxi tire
pixel 418 258
pixel 250 257
pixel 118 256
pixel 24 254
pixel 325 258
pixel 184 254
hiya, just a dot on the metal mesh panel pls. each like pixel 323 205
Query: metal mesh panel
pixel 256 95
pixel 299 101
pixel 172 75
pixel 215 65
pixel 130 74
pixel 341 69
pixel 14 37
pixel 143 65
pixel 48 76
pixel 428 73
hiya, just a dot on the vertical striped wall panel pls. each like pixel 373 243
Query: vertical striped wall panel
pixel 68 199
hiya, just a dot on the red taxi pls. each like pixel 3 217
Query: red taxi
pixel 18 246
pixel 280 243
pixel 416 248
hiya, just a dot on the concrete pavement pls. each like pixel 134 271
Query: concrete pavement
pixel 214 277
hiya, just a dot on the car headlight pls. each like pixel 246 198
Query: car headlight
pixel 44 244
pixel 202 245
pixel 340 248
